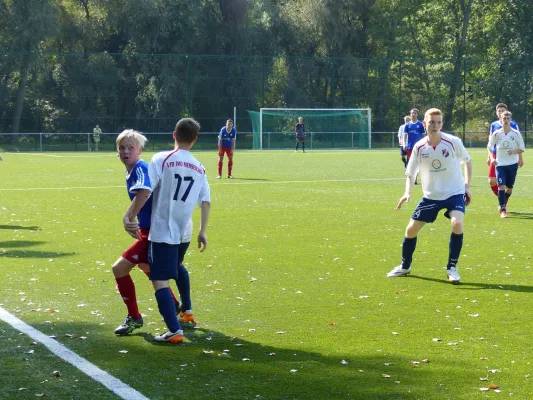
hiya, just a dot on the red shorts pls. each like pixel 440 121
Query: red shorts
pixel 409 152
pixel 225 150
pixel 492 171
pixel 138 251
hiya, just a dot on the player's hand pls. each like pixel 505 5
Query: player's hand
pixel 468 196
pixel 202 241
pixel 132 228
pixel 405 199
pixel 520 162
pixel 493 161
pixel 509 152
pixel 489 160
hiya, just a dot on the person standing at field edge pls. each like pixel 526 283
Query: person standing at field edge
pixel 226 145
pixel 96 136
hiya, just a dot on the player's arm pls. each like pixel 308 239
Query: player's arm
pixel 130 216
pixel 405 136
pixel 468 179
pixel 202 237
pixel 490 148
pixel 410 171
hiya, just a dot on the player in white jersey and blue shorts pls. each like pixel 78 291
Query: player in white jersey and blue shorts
pixel 438 159
pixel 403 152
pixel 179 183
pixel 509 146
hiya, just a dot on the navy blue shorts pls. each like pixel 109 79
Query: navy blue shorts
pixel 506 175
pixel 164 259
pixel 427 210
pixel 402 151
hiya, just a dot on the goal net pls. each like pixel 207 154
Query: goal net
pixel 325 128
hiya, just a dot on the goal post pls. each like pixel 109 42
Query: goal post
pixel 274 128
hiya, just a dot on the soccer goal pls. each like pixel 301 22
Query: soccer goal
pixel 326 128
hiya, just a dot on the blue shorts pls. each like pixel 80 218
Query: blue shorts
pixel 506 175
pixel 164 259
pixel 402 151
pixel 427 210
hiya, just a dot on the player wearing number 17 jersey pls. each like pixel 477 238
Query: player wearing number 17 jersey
pixel 178 182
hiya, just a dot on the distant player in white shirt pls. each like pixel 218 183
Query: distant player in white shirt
pixel 403 152
pixel 509 146
pixel 178 183
pixel 438 158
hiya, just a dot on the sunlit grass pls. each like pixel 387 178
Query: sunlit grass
pixel 291 295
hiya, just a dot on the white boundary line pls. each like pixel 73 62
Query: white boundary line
pixel 115 385
pixel 241 183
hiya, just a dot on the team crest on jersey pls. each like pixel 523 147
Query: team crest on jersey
pixel 445 152
pixel 436 164
pixel 505 144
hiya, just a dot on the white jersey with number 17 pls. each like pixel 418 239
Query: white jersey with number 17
pixel 178 183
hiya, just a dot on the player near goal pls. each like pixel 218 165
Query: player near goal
pixel 226 145
pixel 509 145
pixel 300 133
pixel 438 157
pixel 129 147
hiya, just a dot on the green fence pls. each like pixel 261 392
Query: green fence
pixel 74 92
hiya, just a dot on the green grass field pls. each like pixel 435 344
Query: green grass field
pixel 291 294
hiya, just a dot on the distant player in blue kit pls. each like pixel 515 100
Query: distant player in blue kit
pixel 137 219
pixel 413 132
pixel 179 183
pixel 438 158
pixel 300 133
pixel 226 145
pixel 509 145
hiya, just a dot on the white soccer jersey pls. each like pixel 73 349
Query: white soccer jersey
pixel 439 166
pixel 178 183
pixel 511 140
pixel 400 135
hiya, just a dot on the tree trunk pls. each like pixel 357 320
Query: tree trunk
pixel 19 105
pixel 457 68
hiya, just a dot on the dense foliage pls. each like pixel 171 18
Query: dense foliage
pixel 66 65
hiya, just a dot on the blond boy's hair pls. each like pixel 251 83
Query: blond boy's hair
pixel 407 118
pixel 506 114
pixel 430 112
pixel 133 135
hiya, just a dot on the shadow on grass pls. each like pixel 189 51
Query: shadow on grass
pixel 210 364
pixel 519 215
pixel 11 244
pixel 18 227
pixel 33 254
pixel 465 285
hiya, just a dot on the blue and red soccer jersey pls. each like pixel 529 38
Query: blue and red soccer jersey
pixel 415 131
pixel 137 179
pixel 226 138
pixel 497 125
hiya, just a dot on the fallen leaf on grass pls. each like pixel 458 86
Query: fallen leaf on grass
pixel 123 351
pixel 344 362
pixel 385 376
pixel 331 323
pixel 57 374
